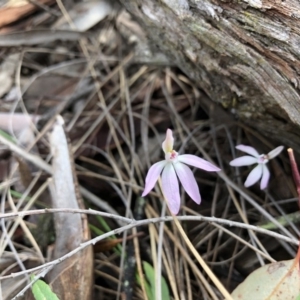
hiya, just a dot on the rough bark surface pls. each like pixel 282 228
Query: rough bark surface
pixel 243 53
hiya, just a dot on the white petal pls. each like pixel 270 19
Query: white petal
pixel 198 162
pixel 254 175
pixel 243 161
pixel 248 149
pixel 152 176
pixel 265 177
pixel 188 181
pixel 170 188
pixel 275 152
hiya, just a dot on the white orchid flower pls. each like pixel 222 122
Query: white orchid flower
pixel 260 171
pixel 174 166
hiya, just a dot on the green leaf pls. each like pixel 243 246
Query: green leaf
pixel 147 287
pixel 150 285
pixel 96 230
pixel 7 136
pixel 18 195
pixel 42 291
pixel 103 223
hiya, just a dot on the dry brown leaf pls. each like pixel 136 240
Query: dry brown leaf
pixel 275 281
pixel 86 14
pixel 54 84
pixel 108 244
pixel 12 14
pixel 72 279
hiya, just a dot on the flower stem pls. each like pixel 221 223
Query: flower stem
pixel 159 255
pixel 200 260
pixel 202 263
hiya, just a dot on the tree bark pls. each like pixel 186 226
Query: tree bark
pixel 243 54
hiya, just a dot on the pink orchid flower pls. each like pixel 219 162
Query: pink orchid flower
pixel 174 166
pixel 260 171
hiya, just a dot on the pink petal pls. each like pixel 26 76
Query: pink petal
pixel 243 161
pixel 188 181
pixel 275 152
pixel 254 175
pixel 152 176
pixel 247 149
pixel 170 188
pixel 198 162
pixel 167 144
pixel 265 177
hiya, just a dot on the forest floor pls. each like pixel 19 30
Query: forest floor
pixel 71 205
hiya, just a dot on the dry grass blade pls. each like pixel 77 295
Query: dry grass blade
pixel 35 37
pixel 200 260
pixel 116 109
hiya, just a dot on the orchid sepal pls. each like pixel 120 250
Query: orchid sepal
pixel 260 172
pixel 175 167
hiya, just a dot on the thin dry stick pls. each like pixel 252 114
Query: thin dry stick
pixel 8 239
pixel 139 265
pixel 29 285
pixel 238 238
pixel 132 224
pixel 225 222
pixel 188 259
pixel 26 230
pixel 36 160
pixel 245 220
pixel 202 263
pixel 17 222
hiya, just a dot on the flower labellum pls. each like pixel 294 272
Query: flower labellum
pixel 173 167
pixel 260 171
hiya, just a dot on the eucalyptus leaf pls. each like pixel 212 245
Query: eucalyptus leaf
pixel 275 281
pixel 42 291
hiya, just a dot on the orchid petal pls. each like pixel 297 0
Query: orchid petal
pixel 265 177
pixel 243 161
pixel 152 176
pixel 198 162
pixel 275 152
pixel 248 149
pixel 168 143
pixel 188 181
pixel 254 175
pixel 170 188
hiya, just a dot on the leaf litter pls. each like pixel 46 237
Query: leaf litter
pixel 117 98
